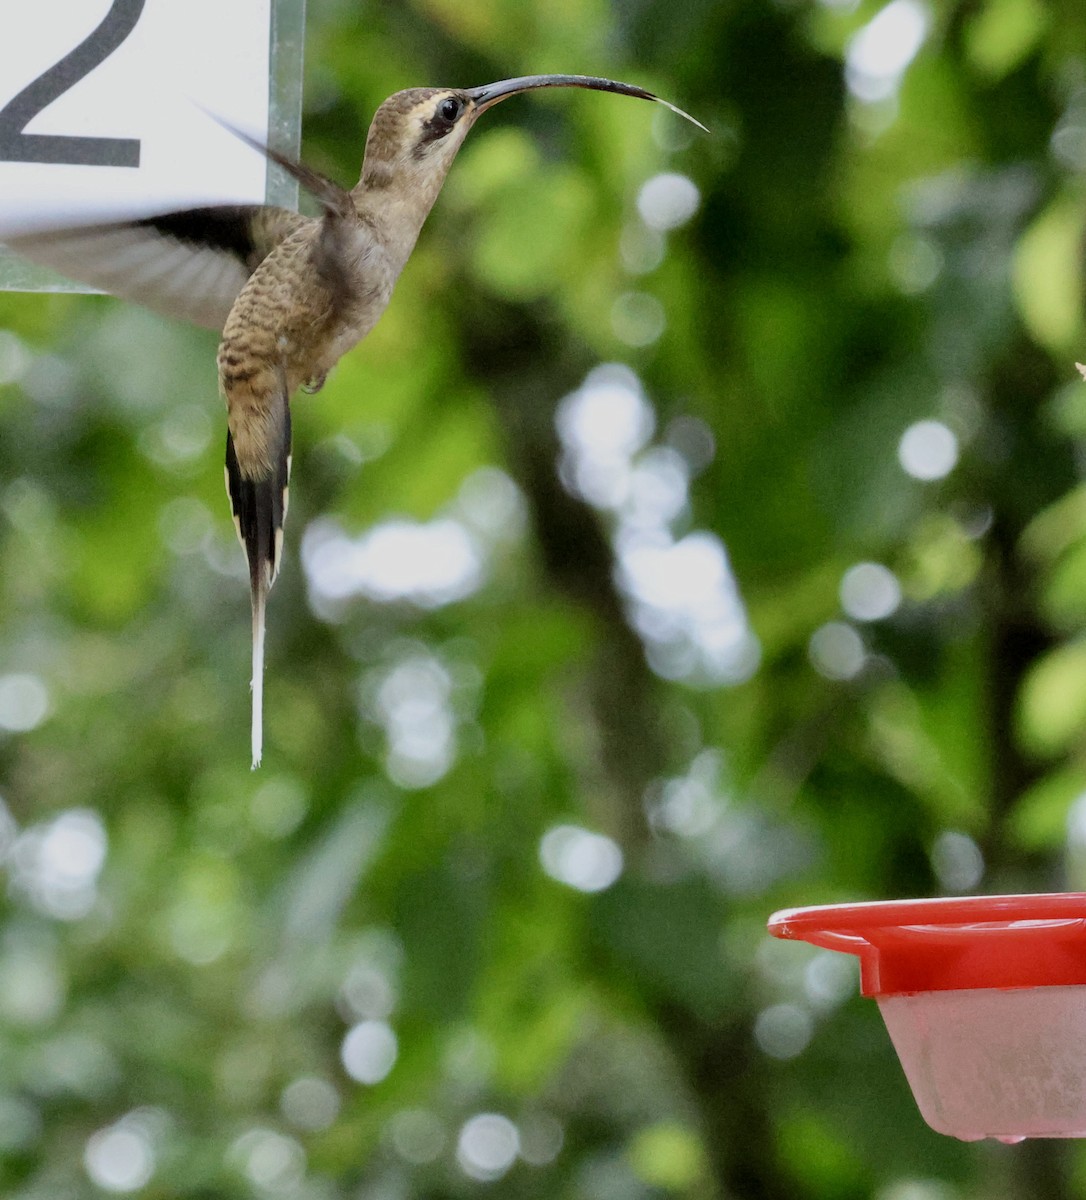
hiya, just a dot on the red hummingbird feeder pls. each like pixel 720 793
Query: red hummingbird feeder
pixel 984 998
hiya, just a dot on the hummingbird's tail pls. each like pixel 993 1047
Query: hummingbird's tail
pixel 260 599
pixel 260 508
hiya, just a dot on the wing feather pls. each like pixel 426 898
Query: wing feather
pixel 189 264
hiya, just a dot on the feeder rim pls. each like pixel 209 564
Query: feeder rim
pixel 853 918
pixel 952 942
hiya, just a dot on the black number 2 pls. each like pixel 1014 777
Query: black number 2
pixel 17 146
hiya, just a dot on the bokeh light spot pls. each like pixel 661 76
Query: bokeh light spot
pixel 915 263
pixel 369 1051
pixel 928 450
pixel 918 1189
pixel 869 592
pixel 33 986
pixel 837 651
pixel 589 862
pixel 411 700
pixel 20 1124
pixel 57 864
pixel 638 319
pixel 270 1160
pixel 640 249
pixel 24 702
pixel 829 979
pixel 310 1103
pixel 602 426
pixel 541 1138
pixel 368 992
pixel 120 1158
pixel 417 1135
pixel 668 200
pixel 278 806
pixel 783 1030
pixel 186 525
pixel 686 605
pixel 487 1146
pixel 880 52
pixel 429 564
pixel 957 861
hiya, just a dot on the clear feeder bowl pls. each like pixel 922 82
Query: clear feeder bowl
pixel 984 998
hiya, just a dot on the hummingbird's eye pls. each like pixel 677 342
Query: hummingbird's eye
pixel 445 115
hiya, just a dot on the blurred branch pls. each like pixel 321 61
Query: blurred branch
pixel 526 381
pixel 626 712
pixel 738 1134
pixel 1016 632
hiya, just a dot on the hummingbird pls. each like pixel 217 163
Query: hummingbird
pixel 290 293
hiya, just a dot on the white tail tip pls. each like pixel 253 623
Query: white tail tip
pixel 258 677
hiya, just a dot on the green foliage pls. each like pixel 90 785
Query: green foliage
pixel 490 919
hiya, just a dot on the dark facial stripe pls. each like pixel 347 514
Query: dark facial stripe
pixel 434 128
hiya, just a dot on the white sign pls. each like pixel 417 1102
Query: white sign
pixel 110 108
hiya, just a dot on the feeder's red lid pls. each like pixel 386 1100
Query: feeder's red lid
pixel 953 942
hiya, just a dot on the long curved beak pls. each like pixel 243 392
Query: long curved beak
pixel 491 93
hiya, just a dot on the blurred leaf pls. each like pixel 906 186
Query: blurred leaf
pixel 1052 712
pixel 528 241
pixel 1048 275
pixel 668 1156
pixel 1003 33
pixel 325 879
pixel 820 1154
pixel 1039 819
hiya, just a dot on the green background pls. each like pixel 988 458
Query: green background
pixel 187 945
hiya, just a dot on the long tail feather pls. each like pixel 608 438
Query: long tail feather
pixel 260 508
pixel 260 597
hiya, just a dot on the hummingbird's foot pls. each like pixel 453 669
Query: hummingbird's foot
pixel 314 384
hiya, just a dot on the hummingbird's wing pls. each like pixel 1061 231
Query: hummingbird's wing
pixel 338 215
pixel 189 264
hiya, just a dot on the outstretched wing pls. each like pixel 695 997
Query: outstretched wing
pixel 189 264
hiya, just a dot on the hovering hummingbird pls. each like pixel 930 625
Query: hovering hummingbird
pixel 290 293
